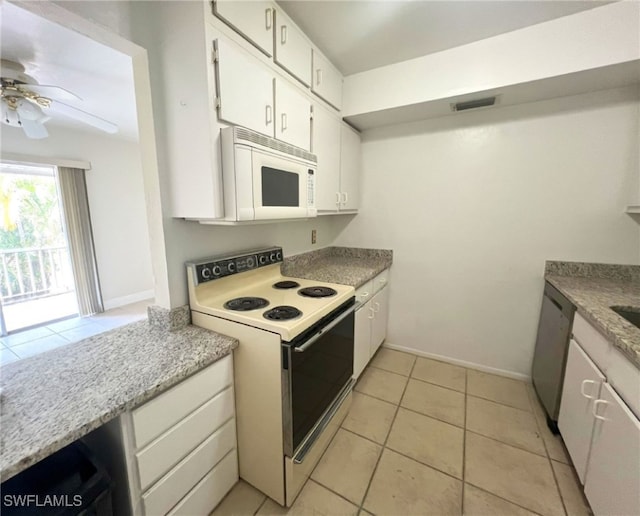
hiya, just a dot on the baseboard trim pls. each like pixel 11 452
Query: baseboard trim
pixel 116 302
pixel 463 363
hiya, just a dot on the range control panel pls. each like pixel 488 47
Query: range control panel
pixel 216 268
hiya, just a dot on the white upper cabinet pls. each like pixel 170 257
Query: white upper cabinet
pixel 244 88
pixel 326 146
pixel 292 50
pixel 326 80
pixel 293 116
pixel 254 20
pixel 350 164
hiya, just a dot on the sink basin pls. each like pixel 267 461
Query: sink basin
pixel 631 314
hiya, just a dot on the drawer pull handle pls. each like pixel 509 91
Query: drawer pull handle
pixel 377 308
pixel 338 198
pixel 594 410
pixel 365 294
pixel 269 117
pixel 283 34
pixel 284 122
pixel 318 76
pixel 372 313
pixel 584 384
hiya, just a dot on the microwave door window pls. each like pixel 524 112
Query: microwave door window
pixel 280 188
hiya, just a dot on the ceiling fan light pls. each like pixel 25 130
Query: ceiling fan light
pixel 10 116
pixel 30 111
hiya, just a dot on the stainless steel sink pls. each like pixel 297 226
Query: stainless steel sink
pixel 630 313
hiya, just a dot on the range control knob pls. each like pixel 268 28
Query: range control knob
pixel 250 262
pixel 279 255
pixel 231 267
pixel 205 273
pixel 272 257
pixel 263 259
pixel 216 270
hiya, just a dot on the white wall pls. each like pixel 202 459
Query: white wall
pixel 473 204
pixel 116 201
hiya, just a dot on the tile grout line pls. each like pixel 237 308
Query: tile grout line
pixel 507 444
pixel 484 490
pixel 530 394
pixel 384 444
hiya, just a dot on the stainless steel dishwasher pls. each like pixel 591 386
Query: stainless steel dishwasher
pixel 552 343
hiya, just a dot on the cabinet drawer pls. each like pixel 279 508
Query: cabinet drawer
pixel 180 480
pixel 162 454
pixel 380 281
pixel 594 343
pixel 203 498
pixel 164 411
pixel 625 379
pixel 365 292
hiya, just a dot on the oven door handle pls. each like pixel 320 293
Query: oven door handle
pixel 333 323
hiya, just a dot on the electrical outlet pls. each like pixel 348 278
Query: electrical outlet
pixel 313 236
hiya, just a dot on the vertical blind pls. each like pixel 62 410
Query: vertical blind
pixel 75 206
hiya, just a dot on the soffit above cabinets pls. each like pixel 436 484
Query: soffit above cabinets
pixel 363 35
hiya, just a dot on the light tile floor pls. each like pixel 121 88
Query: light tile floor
pixel 424 437
pixel 43 338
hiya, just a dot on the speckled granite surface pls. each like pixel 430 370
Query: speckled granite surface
pixel 169 319
pixel 54 398
pixel 593 295
pixel 345 265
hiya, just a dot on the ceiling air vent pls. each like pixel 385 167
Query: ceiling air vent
pixel 473 104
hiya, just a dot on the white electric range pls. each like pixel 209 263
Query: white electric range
pixel 293 367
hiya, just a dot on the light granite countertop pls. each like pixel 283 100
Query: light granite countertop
pixel 344 265
pixel 593 289
pixel 52 399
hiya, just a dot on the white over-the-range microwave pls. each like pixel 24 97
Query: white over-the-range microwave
pixel 264 178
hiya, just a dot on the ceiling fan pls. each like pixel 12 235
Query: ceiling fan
pixel 25 103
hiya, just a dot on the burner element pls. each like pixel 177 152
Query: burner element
pixel 244 304
pixel 317 292
pixel 286 284
pixel 282 313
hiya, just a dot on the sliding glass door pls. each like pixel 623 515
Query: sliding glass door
pixel 36 279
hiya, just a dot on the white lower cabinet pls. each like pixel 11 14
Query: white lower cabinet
pixel 582 380
pixel 181 447
pixel 371 321
pixel 613 476
pixel 601 431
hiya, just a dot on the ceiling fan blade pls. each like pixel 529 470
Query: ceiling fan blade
pixel 51 91
pixel 33 129
pixel 82 116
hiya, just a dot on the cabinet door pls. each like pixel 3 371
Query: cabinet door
pixel 245 89
pixel 362 347
pixel 326 81
pixel 293 116
pixel 292 51
pixel 380 304
pixel 613 473
pixel 326 146
pixel 254 20
pixel 350 162
pixel 582 380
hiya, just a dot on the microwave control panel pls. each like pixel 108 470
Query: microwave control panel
pixel 216 268
pixel 311 187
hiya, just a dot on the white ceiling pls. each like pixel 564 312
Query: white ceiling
pixel 55 55
pixel 362 35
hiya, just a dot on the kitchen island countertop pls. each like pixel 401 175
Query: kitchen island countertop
pixel 593 289
pixel 53 399
pixel 344 265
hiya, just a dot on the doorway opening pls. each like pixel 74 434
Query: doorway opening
pixel 36 278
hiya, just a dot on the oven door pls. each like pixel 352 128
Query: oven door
pixel 283 188
pixel 316 368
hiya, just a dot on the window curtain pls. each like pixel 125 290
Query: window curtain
pixel 75 206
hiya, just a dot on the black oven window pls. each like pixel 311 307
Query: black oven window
pixel 280 188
